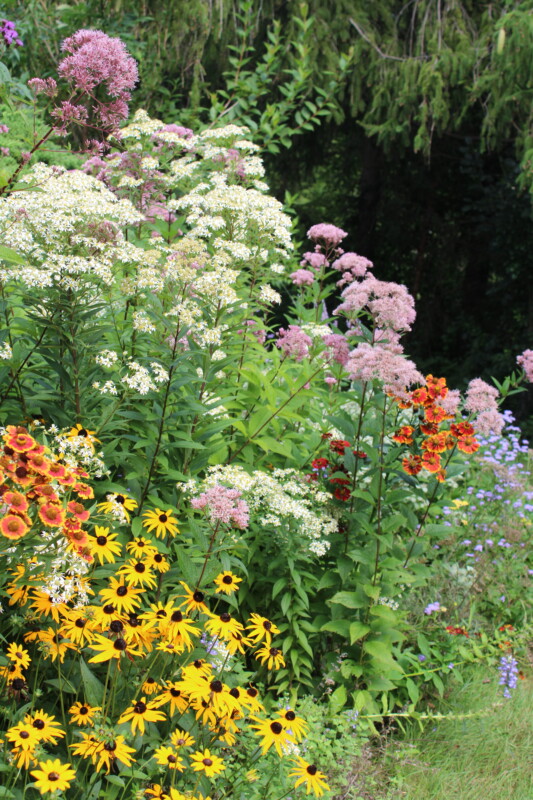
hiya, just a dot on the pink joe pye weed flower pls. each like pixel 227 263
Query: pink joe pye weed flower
pixel 294 342
pixel 526 362
pixel 326 234
pixel 302 277
pixel 223 505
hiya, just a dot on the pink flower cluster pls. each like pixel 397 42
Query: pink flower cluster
pixel 482 399
pixel 390 304
pixel 302 277
pixel 326 234
pixel 526 362
pixel 338 347
pixel 294 342
pixel 223 505
pixel 368 362
pixel 352 266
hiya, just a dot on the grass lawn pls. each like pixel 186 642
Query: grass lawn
pixel 488 757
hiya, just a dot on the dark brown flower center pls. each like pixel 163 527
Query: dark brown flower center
pixel 101 540
pixel 122 591
pixel 311 769
pixel 198 597
pixel 140 567
pixel 116 626
pixel 225 617
pixel 207 761
pixel 120 644
pixel 83 710
pixel 290 715
pixel 215 686
pixel 177 616
pixel 24 735
pixel 162 518
pixel 53 776
pixel 227 579
pixel 109 609
pixel 276 727
pixel 38 723
pixel 139 707
pixel 82 432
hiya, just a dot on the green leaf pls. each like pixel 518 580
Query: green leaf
pixel 348 600
pixel 338 699
pixel 7 254
pixel 357 631
pixel 340 626
pixel 93 688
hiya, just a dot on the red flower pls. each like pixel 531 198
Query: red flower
pixel 467 444
pixel 339 446
pixel 319 463
pixel 342 493
pixel 412 465
pixel 404 435
pixel 431 462
pixel 360 454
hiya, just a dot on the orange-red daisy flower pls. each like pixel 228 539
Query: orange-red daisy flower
pixel 404 435
pixel 412 464
pixel 431 462
pixel 52 515
pixel 79 511
pixel 467 444
pixel 13 527
pixel 16 501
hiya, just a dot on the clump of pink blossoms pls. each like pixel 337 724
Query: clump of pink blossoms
pixel 294 342
pixel 302 277
pixel 338 347
pixel 390 304
pixel 396 372
pixel 100 72
pixel 223 505
pixel 481 399
pixel 326 234
pixel 352 266
pixel 526 362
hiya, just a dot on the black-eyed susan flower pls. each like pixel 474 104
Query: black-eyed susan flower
pixel 123 597
pixel 227 582
pixel 24 759
pixel 158 562
pixel 261 628
pixel 151 686
pixel 223 625
pixel 272 657
pixel 141 547
pixel 103 545
pixel 167 757
pixel 160 522
pixel 156 792
pixel 296 725
pixel 114 750
pixel 44 605
pixel 118 505
pixel 78 432
pixel 181 739
pixel 18 655
pixel 139 713
pixel 179 629
pixel 173 695
pixel 53 776
pixel 83 713
pixel 194 599
pixel 196 669
pixel 78 626
pixel 52 644
pixel 138 573
pixel 206 762
pixel 46 725
pixel 272 733
pixel 309 775
pixel 111 648
pixel 23 735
